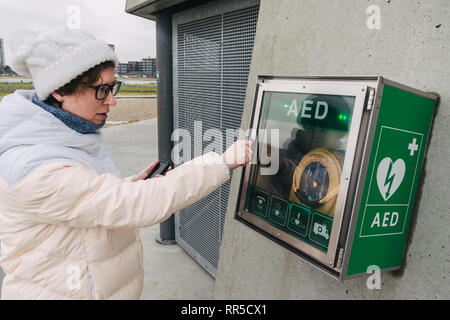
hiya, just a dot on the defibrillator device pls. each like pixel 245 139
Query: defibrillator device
pixel 316 180
pixel 336 168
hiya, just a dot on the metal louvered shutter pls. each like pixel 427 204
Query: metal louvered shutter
pixel 212 63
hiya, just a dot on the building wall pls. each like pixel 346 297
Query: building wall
pixel 147 66
pixel 330 37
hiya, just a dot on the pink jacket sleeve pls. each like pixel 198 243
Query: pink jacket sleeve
pixel 75 195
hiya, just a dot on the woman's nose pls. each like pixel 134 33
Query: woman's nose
pixel 110 100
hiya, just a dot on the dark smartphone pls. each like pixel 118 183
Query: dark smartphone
pixel 160 168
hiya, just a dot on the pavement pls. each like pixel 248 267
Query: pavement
pixel 169 272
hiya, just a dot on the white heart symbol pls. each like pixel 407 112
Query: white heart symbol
pixel 390 176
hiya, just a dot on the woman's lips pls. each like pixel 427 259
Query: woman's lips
pixel 102 115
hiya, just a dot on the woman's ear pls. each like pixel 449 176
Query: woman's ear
pixel 55 99
pixel 57 96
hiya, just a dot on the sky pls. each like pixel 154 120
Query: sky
pixel 134 37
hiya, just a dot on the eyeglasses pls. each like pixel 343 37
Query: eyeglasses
pixel 102 91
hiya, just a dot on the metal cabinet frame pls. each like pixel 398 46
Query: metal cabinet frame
pixel 364 90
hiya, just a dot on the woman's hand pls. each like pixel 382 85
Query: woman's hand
pixel 146 172
pixel 239 154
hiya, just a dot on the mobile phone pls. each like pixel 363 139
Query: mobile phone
pixel 160 168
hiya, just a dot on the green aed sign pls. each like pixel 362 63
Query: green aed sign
pixel 392 179
pixel 338 186
pixel 391 182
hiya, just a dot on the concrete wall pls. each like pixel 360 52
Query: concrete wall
pixel 331 37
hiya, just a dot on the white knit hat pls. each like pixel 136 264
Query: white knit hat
pixel 59 55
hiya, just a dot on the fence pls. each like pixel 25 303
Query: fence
pixel 126 89
pixel 10 87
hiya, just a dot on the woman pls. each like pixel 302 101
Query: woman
pixel 68 221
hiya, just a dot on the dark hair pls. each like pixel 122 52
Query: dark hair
pixel 81 82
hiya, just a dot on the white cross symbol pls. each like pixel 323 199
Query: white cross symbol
pixel 413 147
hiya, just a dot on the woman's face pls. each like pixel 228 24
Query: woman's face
pixel 84 104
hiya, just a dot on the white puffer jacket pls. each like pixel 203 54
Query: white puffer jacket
pixel 68 221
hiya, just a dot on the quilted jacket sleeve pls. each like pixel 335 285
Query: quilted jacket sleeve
pixel 75 195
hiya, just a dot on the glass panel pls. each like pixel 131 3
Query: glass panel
pixel 300 198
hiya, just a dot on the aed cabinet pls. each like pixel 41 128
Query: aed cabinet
pixel 336 168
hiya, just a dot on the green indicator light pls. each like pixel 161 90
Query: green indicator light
pixel 309 198
pixel 286 106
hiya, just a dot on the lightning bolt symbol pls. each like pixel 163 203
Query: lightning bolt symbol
pixel 389 180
